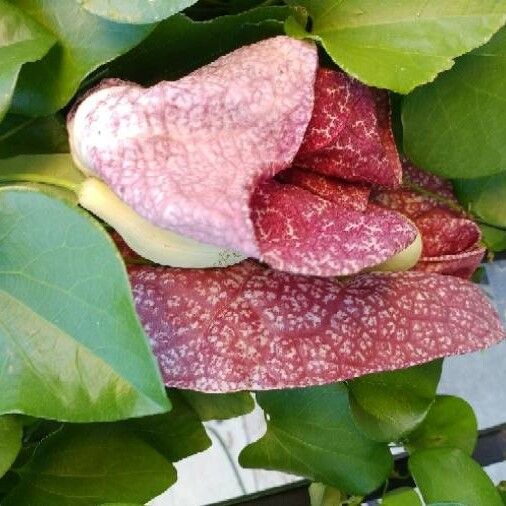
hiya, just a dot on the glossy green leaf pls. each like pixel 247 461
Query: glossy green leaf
pixel 21 135
pixel 449 475
pixel 176 434
pixel 310 432
pixel 179 45
pixel 84 43
pixel 493 238
pixel 85 465
pixel 402 497
pixel 11 432
pixel 485 197
pixel 57 169
pixel 219 406
pixel 135 11
pixel 388 405
pixel 21 40
pixel 451 422
pixel 73 347
pixel 400 45
pixel 455 126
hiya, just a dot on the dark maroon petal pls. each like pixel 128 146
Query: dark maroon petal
pixel 451 241
pixel 420 192
pixel 462 264
pixel 248 327
pixel 406 201
pixel 451 245
pixel 333 106
pixel 342 193
pixel 300 232
pixel 445 234
pixel 427 181
pixel 349 135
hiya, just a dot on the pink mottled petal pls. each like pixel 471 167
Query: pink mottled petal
pixel 186 155
pixel 300 232
pixel 342 193
pixel 349 135
pixel 248 327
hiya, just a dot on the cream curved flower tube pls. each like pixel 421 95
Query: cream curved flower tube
pixel 157 244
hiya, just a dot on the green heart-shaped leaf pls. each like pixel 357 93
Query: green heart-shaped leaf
pixel 84 43
pixel 73 347
pixel 87 465
pixel 219 406
pixel 57 169
pixel 455 126
pixel 484 197
pixel 493 238
pixel 21 40
pixel 310 432
pixel 402 497
pixel 400 45
pixel 175 435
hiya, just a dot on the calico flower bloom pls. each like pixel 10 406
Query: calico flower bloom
pixel 263 153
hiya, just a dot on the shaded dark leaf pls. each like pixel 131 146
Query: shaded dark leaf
pixel 84 43
pixel 21 135
pixel 179 45
pixel 310 432
pixel 85 465
pixel 11 432
pixel 219 406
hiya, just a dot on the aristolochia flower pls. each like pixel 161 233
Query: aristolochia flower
pixel 265 154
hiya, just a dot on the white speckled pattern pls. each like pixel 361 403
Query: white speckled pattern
pixel 249 327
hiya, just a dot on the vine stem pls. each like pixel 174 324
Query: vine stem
pixel 12 131
pixel 217 435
